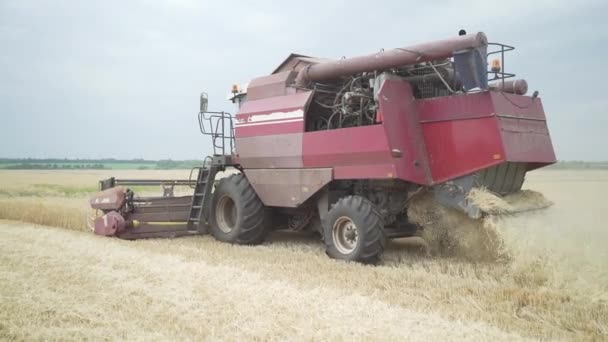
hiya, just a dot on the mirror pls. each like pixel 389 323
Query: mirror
pixel 204 102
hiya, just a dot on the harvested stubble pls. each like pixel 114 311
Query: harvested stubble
pixel 73 286
pixel 288 288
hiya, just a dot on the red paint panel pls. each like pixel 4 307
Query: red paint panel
pixel 476 105
pixel 376 171
pixel 270 151
pixel 457 148
pixel 463 106
pixel 466 133
pixel 532 148
pixel 287 187
pixel 270 86
pixel 270 128
pixel 403 131
pixel 518 105
pixel 109 224
pixel 512 124
pixel 273 104
pixel 524 130
pixel 274 115
pixel 526 140
pixel 365 145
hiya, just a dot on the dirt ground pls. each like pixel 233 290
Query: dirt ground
pixel 69 284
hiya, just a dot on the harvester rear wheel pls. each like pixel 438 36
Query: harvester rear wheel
pixel 353 231
pixel 237 213
pixel 502 179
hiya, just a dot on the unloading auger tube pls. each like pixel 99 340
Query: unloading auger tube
pixel 393 58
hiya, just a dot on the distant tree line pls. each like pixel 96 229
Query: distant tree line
pixel 579 165
pixel 37 166
pixel 169 164
pixel 96 164
pixel 75 161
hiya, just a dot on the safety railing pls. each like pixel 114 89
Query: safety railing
pixel 220 126
pixel 499 49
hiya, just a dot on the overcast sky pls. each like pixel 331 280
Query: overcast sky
pixel 92 79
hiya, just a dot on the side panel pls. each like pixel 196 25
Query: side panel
pixel 524 129
pixel 517 105
pixel 355 152
pixel 366 171
pixel 526 140
pixel 271 86
pixel 287 187
pixel 274 115
pixel 461 134
pixel 466 133
pixel 456 107
pixel 269 131
pixel 403 131
pixel 460 147
pixel 270 151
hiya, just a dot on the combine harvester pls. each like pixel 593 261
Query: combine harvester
pixel 341 146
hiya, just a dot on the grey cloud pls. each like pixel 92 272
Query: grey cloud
pixel 122 78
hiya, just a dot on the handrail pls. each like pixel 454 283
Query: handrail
pixel 220 126
pixel 500 75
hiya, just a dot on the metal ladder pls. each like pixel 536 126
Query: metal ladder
pixel 201 196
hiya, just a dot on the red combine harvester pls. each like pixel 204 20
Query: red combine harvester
pixel 340 146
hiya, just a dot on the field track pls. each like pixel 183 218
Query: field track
pixel 63 284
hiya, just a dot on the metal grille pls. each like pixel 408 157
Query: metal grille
pixel 430 88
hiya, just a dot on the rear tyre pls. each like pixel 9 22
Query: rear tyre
pixel 353 231
pixel 503 179
pixel 237 213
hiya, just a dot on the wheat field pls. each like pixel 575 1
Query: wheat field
pixel 58 281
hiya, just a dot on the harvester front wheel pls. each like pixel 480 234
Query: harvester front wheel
pixel 237 213
pixel 353 231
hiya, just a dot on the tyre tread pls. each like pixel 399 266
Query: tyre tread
pixel 254 226
pixel 374 238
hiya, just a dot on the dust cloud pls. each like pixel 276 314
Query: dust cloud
pixel 520 232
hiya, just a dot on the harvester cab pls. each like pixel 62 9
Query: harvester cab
pixel 340 147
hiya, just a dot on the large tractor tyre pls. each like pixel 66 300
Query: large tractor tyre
pixel 503 179
pixel 353 231
pixel 237 213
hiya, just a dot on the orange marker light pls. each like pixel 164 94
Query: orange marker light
pixel 235 88
pixel 496 65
